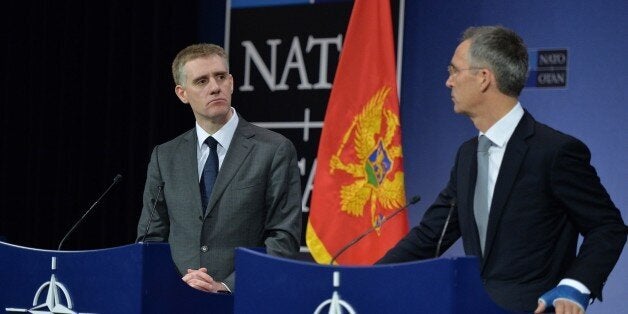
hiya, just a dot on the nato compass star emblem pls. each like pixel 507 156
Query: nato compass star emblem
pixel 52 297
pixel 335 305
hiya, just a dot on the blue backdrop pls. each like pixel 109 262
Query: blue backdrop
pixel 591 107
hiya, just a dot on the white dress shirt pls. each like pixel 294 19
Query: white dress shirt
pixel 223 136
pixel 499 134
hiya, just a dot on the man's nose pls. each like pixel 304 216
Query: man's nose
pixel 449 82
pixel 213 86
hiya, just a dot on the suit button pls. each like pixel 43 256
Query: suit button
pixel 204 248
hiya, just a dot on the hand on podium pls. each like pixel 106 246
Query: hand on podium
pixel 200 280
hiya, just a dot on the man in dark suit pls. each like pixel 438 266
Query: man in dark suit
pixel 246 176
pixel 536 191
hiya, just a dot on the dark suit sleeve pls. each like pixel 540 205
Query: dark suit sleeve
pixel 230 281
pixel 421 241
pixel 283 203
pixel 576 185
pixel 160 226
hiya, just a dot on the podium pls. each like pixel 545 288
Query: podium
pixel 268 284
pixel 141 278
pixel 137 278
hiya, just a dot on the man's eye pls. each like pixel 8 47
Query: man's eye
pixel 221 77
pixel 201 82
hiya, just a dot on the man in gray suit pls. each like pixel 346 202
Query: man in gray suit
pixel 254 200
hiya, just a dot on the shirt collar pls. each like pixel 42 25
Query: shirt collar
pixel 223 136
pixel 501 131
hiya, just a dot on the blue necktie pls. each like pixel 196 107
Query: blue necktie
pixel 210 171
pixel 480 199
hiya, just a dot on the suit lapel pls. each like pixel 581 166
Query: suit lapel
pixel 239 149
pixel 468 173
pixel 186 163
pixel 510 167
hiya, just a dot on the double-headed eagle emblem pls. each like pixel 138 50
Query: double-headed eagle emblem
pixel 377 185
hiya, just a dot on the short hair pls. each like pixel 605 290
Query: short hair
pixel 503 52
pixel 194 52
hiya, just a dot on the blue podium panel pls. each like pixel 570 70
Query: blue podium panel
pixel 269 284
pixel 137 278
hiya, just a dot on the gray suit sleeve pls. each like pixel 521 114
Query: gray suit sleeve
pixel 230 281
pixel 283 197
pixel 160 225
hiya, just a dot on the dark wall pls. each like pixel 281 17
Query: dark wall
pixel 86 93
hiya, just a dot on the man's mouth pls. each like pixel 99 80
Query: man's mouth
pixel 217 100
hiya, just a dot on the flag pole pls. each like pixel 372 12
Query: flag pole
pixel 402 9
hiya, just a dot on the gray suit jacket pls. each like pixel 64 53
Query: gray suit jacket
pixel 255 202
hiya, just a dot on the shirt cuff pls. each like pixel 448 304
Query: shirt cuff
pixel 575 284
pixel 227 288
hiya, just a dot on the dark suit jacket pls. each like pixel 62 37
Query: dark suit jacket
pixel 546 194
pixel 255 202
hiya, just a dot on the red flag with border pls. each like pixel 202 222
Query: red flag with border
pixel 359 169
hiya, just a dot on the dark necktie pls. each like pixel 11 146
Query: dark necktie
pixel 210 171
pixel 480 200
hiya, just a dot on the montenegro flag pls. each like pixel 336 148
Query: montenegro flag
pixel 359 172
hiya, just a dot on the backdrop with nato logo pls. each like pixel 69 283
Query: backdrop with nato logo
pixel 577 71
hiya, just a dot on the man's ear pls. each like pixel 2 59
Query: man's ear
pixel 232 82
pixel 180 92
pixel 487 79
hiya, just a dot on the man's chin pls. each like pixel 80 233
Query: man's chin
pixel 457 109
pixel 222 113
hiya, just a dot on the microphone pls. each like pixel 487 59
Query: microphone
pixel 160 188
pixel 452 205
pixel 115 180
pixel 412 201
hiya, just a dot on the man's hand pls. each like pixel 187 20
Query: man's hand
pixel 561 306
pixel 563 300
pixel 200 280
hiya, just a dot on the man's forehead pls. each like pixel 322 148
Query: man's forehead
pixel 461 53
pixel 213 62
pixel 205 67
